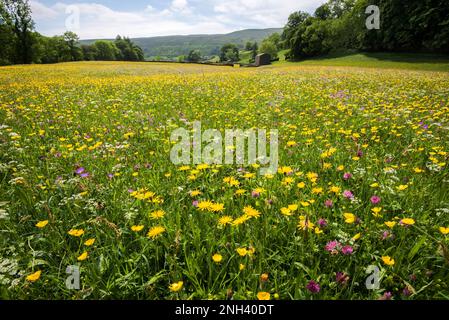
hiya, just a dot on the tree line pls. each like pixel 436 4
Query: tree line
pixel 412 26
pixel 21 44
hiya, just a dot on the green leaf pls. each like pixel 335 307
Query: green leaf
pixel 416 247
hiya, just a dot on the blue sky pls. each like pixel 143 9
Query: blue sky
pixel 144 18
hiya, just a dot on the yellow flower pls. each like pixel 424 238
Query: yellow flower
pixel 155 231
pixel 83 256
pixel 195 193
pixel 374 185
pixel 157 214
pixel 305 203
pixel 402 187
pixel 286 211
pixel 76 232
pixel 301 185
pixel 216 207
pixel 418 170
pixel 263 296
pixel 376 211
pixel 225 220
pixel 293 207
pixel 388 260
pixel 42 224
pixel 137 228
pixel 318 230
pixel 34 276
pixel 204 205
pixel 242 251
pixel 285 170
pixel 444 230
pixel 241 267
pixel 251 212
pixel 89 242
pixel 217 258
pixel 390 224
pixel 349 218
pixel 175 287
pixel 356 237
pixel 335 189
pixel 239 192
pixel 408 221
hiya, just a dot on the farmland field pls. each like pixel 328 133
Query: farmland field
pixel 86 180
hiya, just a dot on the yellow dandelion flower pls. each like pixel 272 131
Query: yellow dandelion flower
pixel 376 211
pixel 204 205
pixel 408 221
pixel 242 251
pixel 263 295
pixel 388 260
pixel 444 230
pixel 216 207
pixel 158 214
pixel 34 276
pixel 390 224
pixel 83 256
pixel 224 220
pixel 155 232
pixel 349 218
pixel 175 287
pixel 76 232
pixel 89 242
pixel 137 228
pixel 217 258
pixel 195 193
pixel 42 224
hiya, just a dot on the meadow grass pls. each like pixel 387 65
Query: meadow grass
pixel 86 180
pixel 411 61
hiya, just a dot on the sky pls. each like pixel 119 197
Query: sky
pixel 147 18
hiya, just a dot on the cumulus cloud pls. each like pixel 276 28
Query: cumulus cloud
pixel 97 20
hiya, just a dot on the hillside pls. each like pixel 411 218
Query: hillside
pixel 208 44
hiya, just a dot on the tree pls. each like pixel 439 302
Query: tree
pixel 89 52
pixel 254 51
pixel 229 53
pixel 270 48
pixel 128 51
pixel 249 46
pixel 17 15
pixel 194 56
pixel 72 41
pixel 105 50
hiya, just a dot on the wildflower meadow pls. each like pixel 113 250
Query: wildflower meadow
pixel 92 207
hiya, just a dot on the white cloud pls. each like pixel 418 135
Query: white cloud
pixel 178 17
pixel 40 11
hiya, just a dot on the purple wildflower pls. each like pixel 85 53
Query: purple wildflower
pixel 375 199
pixel 341 277
pixel 313 287
pixel 347 176
pixel 348 194
pixel 332 246
pixel 347 250
pixel 322 222
pixel 328 203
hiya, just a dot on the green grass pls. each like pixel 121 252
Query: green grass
pixel 377 60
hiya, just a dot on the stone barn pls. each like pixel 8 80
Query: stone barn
pixel 262 59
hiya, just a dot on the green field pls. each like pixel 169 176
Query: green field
pixel 429 62
pixel 86 181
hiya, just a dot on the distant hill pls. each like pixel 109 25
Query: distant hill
pixel 208 44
